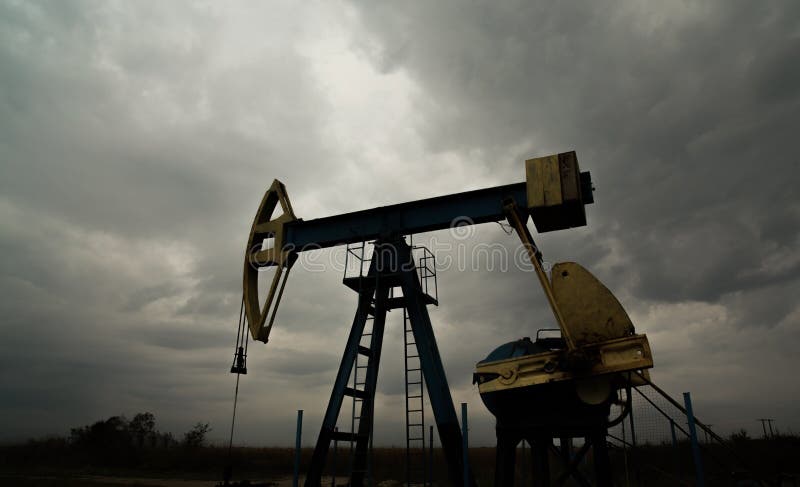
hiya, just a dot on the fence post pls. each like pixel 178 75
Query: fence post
pixel 698 461
pixel 430 456
pixel 672 431
pixel 335 447
pixel 371 458
pixel 524 463
pixel 634 454
pixel 465 441
pixel 297 445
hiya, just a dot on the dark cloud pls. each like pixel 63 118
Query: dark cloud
pixel 136 141
pixel 684 113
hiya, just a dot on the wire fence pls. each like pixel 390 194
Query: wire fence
pixel 653 421
pixel 653 446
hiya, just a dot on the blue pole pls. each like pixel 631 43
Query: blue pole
pixel 698 461
pixel 465 442
pixel 335 447
pixel 296 479
pixel 672 430
pixel 430 456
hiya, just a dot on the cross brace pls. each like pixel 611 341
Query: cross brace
pixel 392 263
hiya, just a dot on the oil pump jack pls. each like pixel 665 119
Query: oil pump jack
pixel 560 387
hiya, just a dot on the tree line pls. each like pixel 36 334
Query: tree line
pixel 139 432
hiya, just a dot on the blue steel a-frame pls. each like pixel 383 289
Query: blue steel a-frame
pixel 392 266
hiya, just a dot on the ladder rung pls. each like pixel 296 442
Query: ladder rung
pixel 362 366
pixel 416 424
pixel 364 351
pixel 413 356
pixel 414 410
pixel 355 393
pixel 414 370
pixel 411 343
pixel 416 439
pixel 414 397
pixel 414 383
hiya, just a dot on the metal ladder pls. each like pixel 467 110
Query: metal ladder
pixel 358 383
pixel 416 460
pixel 417 468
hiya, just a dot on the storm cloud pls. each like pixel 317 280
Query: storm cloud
pixel 137 139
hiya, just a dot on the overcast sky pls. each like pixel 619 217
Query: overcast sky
pixel 137 139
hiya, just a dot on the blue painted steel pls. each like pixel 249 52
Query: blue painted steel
pixel 327 429
pixel 465 445
pixel 471 207
pixel 396 267
pixel 297 445
pixel 672 431
pixel 362 456
pixel 430 360
pixel 517 348
pixel 335 464
pixel 430 457
pixel 698 460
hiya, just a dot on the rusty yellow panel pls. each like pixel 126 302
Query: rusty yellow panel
pixel 611 357
pixel 273 214
pixel 570 176
pixel 535 180
pixel 552 182
pixel 544 181
pixel 590 311
pixel 554 192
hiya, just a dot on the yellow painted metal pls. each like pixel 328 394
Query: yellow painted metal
pixel 512 213
pixel 544 181
pixel 267 225
pixel 554 192
pixel 598 333
pixel 610 357
pixel 590 311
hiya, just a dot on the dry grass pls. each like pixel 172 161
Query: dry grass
pixel 54 462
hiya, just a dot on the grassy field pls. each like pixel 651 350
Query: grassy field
pixel 57 463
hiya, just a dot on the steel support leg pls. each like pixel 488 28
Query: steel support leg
pixel 505 457
pixel 366 417
pixel 540 451
pixel 435 379
pixel 602 463
pixel 327 430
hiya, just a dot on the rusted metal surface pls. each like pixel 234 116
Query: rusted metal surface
pixel 557 192
pixel 513 215
pixel 267 225
pixel 591 312
pixel 610 357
